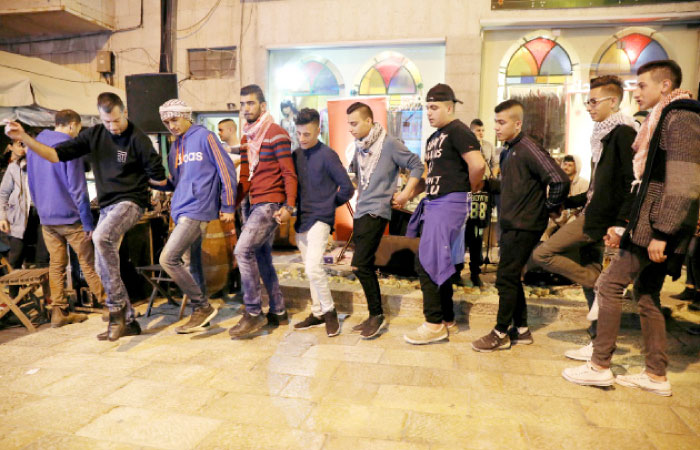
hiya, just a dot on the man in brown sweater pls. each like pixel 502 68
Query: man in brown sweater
pixel 268 175
pixel 666 169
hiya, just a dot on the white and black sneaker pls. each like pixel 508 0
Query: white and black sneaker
pixel 310 322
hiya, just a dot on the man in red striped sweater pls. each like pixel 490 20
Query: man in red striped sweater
pixel 268 176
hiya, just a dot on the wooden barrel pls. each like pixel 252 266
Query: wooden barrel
pixel 217 254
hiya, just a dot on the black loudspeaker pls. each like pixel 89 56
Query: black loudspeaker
pixel 144 94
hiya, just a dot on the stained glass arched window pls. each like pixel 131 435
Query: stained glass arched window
pixel 627 54
pixel 314 76
pixel 390 73
pixel 539 60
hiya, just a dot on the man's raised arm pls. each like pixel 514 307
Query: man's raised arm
pixel 14 130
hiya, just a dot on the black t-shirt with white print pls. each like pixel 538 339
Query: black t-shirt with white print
pixel 447 171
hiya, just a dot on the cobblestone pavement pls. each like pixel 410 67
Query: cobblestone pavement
pixel 62 388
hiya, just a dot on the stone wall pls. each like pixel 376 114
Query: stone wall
pixel 254 27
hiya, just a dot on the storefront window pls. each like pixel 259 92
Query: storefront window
pixel 624 56
pixel 391 74
pixel 536 75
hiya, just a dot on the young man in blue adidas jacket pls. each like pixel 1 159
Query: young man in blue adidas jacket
pixel 204 179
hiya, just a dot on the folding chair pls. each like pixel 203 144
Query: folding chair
pixel 155 275
pixel 28 280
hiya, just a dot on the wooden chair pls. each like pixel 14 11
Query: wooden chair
pixel 28 281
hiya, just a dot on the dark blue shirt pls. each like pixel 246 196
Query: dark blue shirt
pixel 323 185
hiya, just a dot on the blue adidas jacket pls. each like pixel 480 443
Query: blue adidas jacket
pixel 203 175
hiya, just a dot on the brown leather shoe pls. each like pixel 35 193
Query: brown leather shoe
pixel 118 327
pixel 60 317
pixel 248 325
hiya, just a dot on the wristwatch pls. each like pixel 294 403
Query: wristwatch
pixel 292 210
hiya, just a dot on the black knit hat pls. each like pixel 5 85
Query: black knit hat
pixel 441 93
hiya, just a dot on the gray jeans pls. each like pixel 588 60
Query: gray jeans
pixel 183 249
pixel 115 221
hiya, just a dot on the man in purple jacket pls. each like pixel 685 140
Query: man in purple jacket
pixel 59 193
pixel 204 178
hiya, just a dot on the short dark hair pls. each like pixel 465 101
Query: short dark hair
pixel 106 102
pixel 226 120
pixel 364 109
pixel 65 117
pixel 287 104
pixel 476 123
pixel 569 158
pixel 665 68
pixel 612 84
pixel 306 116
pixel 508 104
pixel 253 89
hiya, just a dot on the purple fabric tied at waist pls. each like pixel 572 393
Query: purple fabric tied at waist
pixel 442 221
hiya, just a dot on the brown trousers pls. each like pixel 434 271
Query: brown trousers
pixel 56 238
pixel 632 265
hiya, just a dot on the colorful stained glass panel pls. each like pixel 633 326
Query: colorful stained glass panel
pixel 402 83
pixel 522 64
pixel 539 48
pixel 372 83
pixel 633 44
pixel 652 52
pixel 557 62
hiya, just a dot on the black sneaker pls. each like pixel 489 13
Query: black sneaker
pixel 332 324
pixel 518 338
pixel 372 326
pixel 686 294
pixel 199 320
pixel 491 342
pixel 695 306
pixel 248 325
pixel 310 322
pixel 275 320
pixel 476 281
pixel 360 326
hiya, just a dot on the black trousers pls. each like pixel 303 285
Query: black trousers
pixel 437 300
pixel 366 235
pixel 474 240
pixel 516 247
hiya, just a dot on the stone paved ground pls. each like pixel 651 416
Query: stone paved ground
pixel 61 388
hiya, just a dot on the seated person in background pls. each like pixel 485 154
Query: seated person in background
pixel 578 186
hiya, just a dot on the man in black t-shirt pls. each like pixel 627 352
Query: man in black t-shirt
pixel 124 162
pixel 455 167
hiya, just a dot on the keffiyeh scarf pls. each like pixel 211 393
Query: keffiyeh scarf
pixel 255 133
pixel 369 149
pixel 641 143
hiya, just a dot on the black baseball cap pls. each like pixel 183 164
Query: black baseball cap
pixel 441 93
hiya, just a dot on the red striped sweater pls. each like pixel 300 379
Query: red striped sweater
pixel 275 179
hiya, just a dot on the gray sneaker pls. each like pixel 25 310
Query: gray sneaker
pixel 248 325
pixel 199 320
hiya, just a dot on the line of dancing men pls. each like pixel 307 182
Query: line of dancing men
pixel 643 198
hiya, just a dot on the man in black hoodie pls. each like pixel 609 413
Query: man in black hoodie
pixel 576 250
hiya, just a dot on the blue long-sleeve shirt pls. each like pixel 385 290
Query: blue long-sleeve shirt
pixel 59 190
pixel 203 175
pixel 322 186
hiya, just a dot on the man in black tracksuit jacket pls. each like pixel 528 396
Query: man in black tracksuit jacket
pixel 527 172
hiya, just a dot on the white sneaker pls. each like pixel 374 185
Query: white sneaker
pixel 587 375
pixel 581 354
pixel 593 313
pixel 643 381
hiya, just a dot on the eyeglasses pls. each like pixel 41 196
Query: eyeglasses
pixel 593 102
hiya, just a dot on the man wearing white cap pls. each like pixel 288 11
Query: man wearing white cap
pixel 204 179
pixel 124 163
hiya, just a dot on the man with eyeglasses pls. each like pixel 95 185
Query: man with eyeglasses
pixel 576 250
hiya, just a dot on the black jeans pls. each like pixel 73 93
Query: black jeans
pixel 474 240
pixel 516 247
pixel 437 300
pixel 366 235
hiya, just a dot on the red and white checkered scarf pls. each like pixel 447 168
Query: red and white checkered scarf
pixel 255 133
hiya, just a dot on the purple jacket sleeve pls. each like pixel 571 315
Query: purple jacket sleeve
pixel 77 187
